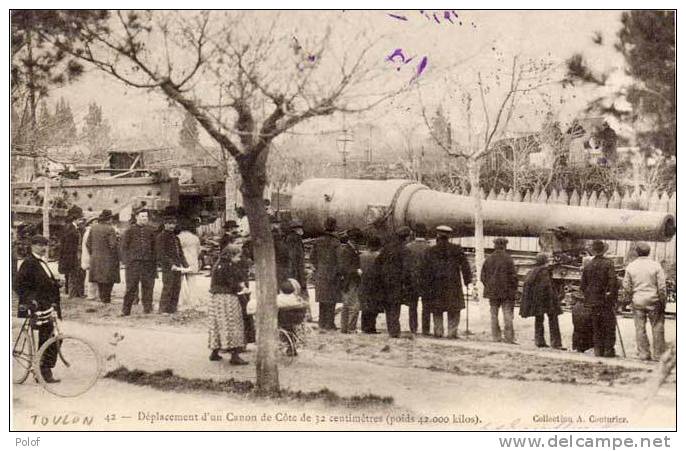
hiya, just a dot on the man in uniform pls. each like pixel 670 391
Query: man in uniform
pixel 327 282
pixel 499 277
pixel 138 254
pixel 443 264
pixel 598 283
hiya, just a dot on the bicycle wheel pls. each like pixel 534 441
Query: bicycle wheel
pixel 22 356
pixel 74 362
pixel 287 350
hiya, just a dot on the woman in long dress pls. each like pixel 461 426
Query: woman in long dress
pixel 190 246
pixel 226 328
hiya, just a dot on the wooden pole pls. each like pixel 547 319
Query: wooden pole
pixel 46 209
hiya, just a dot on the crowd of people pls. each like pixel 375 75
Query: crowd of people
pixel 369 279
pixel 367 275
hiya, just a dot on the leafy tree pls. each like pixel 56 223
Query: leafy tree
pixel 189 136
pixel 647 42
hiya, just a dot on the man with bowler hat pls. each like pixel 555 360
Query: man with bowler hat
pixel 394 265
pixel 599 284
pixel 327 283
pixel 443 264
pixel 69 261
pixel 103 246
pixel 499 277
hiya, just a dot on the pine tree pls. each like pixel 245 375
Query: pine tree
pixel 65 127
pixel 96 131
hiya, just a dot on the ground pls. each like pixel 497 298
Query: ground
pixel 470 383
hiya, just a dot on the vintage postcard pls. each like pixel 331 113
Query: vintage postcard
pixel 356 220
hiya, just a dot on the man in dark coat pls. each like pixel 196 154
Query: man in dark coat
pixel 370 292
pixel 443 265
pixel 499 276
pixel 296 255
pixel 540 298
pixel 418 248
pixel 349 268
pixel 38 290
pixel 138 254
pixel 103 246
pixel 327 283
pixel 171 260
pixel 69 262
pixel 599 285
pixel 394 266
pixel 280 252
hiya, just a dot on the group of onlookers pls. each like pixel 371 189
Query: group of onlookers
pixel 372 279
pixel 94 251
pixel 364 274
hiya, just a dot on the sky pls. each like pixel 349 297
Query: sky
pixel 484 43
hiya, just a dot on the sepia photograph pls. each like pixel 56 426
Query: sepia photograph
pixel 343 220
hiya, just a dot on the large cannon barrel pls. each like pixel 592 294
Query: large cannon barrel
pixel 388 204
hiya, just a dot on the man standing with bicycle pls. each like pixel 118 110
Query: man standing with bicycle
pixel 38 290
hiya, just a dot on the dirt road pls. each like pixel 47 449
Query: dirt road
pixel 435 384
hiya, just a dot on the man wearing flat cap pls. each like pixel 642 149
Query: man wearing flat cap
pixel 103 246
pixel 645 287
pixel 394 265
pixel 327 283
pixel 499 276
pixel 69 262
pixel 599 286
pixel 443 264
pixel 38 290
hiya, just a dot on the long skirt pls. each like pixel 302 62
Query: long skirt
pixel 226 330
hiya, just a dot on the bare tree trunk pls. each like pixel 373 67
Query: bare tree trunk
pixel 473 166
pixel 265 274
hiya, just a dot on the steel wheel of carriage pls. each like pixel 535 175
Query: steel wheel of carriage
pixel 287 348
pixel 22 356
pixel 77 365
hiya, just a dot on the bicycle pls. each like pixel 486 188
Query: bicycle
pixel 78 364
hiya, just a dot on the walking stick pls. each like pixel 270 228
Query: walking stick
pixel 467 331
pixel 619 334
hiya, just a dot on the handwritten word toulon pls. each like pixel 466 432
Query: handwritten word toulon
pixel 399 58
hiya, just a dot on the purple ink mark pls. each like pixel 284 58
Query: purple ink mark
pixel 422 65
pixel 399 54
pixel 446 15
pixel 399 17
pixel 311 58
